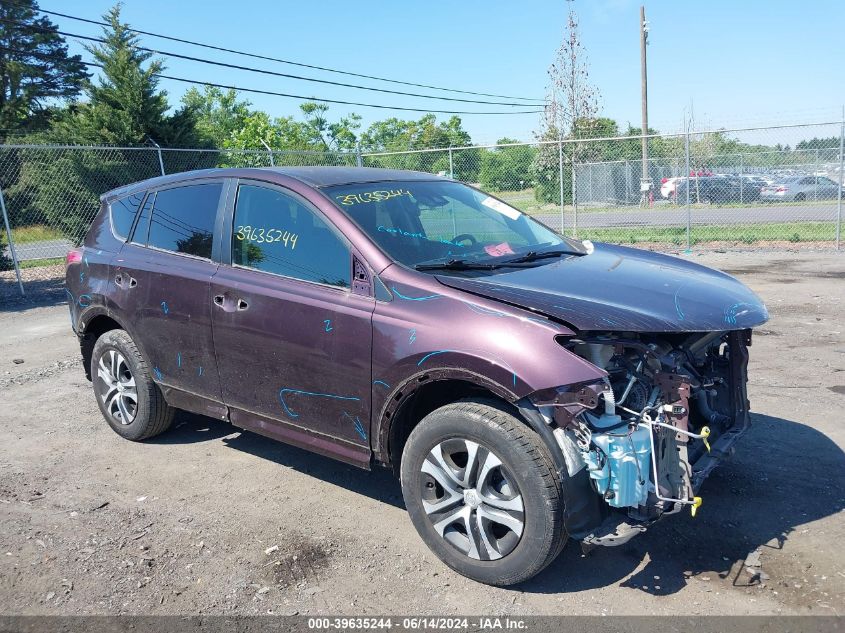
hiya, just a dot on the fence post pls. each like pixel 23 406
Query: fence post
pixel 574 199
pixel 627 181
pixel 11 243
pixel 158 150
pixel 359 159
pixel 686 159
pixel 269 152
pixel 741 171
pixel 451 165
pixel 841 180
pixel 560 173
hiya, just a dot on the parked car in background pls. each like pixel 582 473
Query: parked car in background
pixel 526 388
pixel 717 190
pixel 798 188
pixel 755 179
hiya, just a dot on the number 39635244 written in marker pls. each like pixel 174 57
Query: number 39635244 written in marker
pixel 262 235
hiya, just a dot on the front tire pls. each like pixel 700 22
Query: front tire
pixel 129 400
pixel 482 492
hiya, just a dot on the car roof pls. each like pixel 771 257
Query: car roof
pixel 313 176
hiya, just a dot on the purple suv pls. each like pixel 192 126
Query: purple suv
pixel 525 387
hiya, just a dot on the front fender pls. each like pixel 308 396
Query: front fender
pixel 394 398
pixel 440 331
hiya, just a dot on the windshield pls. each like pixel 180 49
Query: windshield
pixel 417 223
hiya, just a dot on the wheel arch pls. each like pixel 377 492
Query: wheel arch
pixel 92 327
pixel 420 394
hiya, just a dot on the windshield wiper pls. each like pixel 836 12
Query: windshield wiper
pixel 532 256
pixel 457 264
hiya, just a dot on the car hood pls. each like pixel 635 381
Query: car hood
pixel 624 289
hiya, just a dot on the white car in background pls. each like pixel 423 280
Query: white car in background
pixel 668 186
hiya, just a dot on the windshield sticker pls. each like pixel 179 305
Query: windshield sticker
pixel 371 196
pixel 501 207
pixel 497 250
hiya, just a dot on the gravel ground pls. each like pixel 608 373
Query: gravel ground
pixel 210 520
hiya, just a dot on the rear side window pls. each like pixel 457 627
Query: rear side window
pixel 183 219
pixel 123 213
pixel 142 227
pixel 276 233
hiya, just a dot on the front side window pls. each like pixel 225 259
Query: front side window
pixel 183 219
pixel 123 213
pixel 276 233
pixel 420 222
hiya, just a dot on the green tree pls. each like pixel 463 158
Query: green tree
pixel 5 262
pixel 35 68
pixel 125 106
pixel 507 168
pixel 397 135
pixel 332 137
pixel 219 114
pixel 314 133
pixel 819 143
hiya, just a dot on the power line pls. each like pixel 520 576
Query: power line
pixel 354 103
pixel 290 96
pixel 286 61
pixel 286 75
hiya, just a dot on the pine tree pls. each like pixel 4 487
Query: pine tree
pixel 125 105
pixel 35 68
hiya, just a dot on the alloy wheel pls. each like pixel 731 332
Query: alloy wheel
pixel 471 499
pixel 116 387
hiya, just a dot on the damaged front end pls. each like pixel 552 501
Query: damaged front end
pixel 639 444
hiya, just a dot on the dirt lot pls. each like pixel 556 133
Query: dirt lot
pixel 207 519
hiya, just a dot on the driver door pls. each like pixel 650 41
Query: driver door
pixel 293 339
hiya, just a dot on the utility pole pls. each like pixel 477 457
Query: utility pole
pixel 645 183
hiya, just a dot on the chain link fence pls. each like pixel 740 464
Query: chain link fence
pixel 773 187
pixel 727 188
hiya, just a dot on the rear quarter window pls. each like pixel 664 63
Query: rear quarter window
pixel 123 213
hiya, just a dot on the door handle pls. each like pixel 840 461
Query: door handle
pixel 119 280
pixel 221 301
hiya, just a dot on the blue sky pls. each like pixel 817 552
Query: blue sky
pixel 732 63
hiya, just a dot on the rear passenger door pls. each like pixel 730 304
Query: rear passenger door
pixel 293 338
pixel 163 276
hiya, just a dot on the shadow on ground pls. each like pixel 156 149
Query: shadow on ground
pixel 757 498
pixel 39 293
pixel 784 475
pixel 379 484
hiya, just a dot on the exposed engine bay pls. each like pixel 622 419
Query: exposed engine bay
pixel 639 444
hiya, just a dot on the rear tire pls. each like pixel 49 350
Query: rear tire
pixel 799 197
pixel 129 400
pixel 482 492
